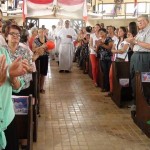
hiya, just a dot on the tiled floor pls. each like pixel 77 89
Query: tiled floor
pixel 75 115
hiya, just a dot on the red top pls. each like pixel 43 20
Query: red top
pixel 31 40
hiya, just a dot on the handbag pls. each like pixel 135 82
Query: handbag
pixel 120 59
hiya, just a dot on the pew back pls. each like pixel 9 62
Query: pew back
pixel 24 125
pixel 121 95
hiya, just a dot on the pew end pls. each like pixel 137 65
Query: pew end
pixel 24 124
pixel 142 105
pixel 122 95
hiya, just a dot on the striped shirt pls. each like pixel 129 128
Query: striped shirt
pixel 142 36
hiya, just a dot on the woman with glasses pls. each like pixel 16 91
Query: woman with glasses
pixel 12 35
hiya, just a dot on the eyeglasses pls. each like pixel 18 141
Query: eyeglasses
pixel 15 34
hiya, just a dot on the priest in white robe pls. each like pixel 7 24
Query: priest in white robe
pixel 66 49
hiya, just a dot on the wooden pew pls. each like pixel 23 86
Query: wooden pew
pixel 36 105
pixel 142 105
pixel 121 94
pixel 24 125
pixel 37 62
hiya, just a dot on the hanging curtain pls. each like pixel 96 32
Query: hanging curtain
pixel 71 5
pixel 41 1
pixel 39 4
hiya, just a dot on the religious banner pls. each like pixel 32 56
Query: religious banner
pixel 55 8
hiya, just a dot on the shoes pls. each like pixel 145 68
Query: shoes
pixel 103 90
pixel 67 71
pixel 133 111
pixel 96 85
pixel 109 94
pixel 60 71
pixel 42 91
pixel 85 72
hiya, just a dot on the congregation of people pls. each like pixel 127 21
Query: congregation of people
pixel 21 48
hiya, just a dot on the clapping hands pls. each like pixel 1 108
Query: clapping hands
pixel 3 69
pixel 18 67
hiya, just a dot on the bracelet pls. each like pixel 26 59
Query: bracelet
pixel 14 82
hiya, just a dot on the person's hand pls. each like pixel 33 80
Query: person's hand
pixel 3 69
pixel 18 67
pixel 40 51
pixel 99 42
pixel 69 36
pixel 30 68
pixel 130 40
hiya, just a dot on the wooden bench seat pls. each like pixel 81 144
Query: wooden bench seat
pixel 121 95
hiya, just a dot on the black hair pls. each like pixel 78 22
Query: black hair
pixel 133 28
pixel 7 29
pixel 111 27
pixel 31 24
pixel 88 29
pixel 103 29
pixel 98 25
pixel 125 34
pixel 24 35
pixel 125 31
pixel 6 23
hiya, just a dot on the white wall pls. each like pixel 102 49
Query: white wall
pixel 116 23
pixel 48 23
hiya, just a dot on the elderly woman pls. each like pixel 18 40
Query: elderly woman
pixel 12 35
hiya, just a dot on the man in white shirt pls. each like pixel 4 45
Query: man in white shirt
pixel 140 60
pixel 66 49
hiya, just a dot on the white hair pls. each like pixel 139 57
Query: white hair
pixel 33 29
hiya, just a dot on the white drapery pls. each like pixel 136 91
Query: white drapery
pixel 66 8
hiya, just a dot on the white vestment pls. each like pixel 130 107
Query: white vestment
pixel 66 48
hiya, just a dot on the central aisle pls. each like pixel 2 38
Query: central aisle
pixel 75 115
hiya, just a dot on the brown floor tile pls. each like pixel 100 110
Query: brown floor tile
pixel 77 116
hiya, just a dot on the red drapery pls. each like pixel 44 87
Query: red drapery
pixel 41 1
pixel 70 2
